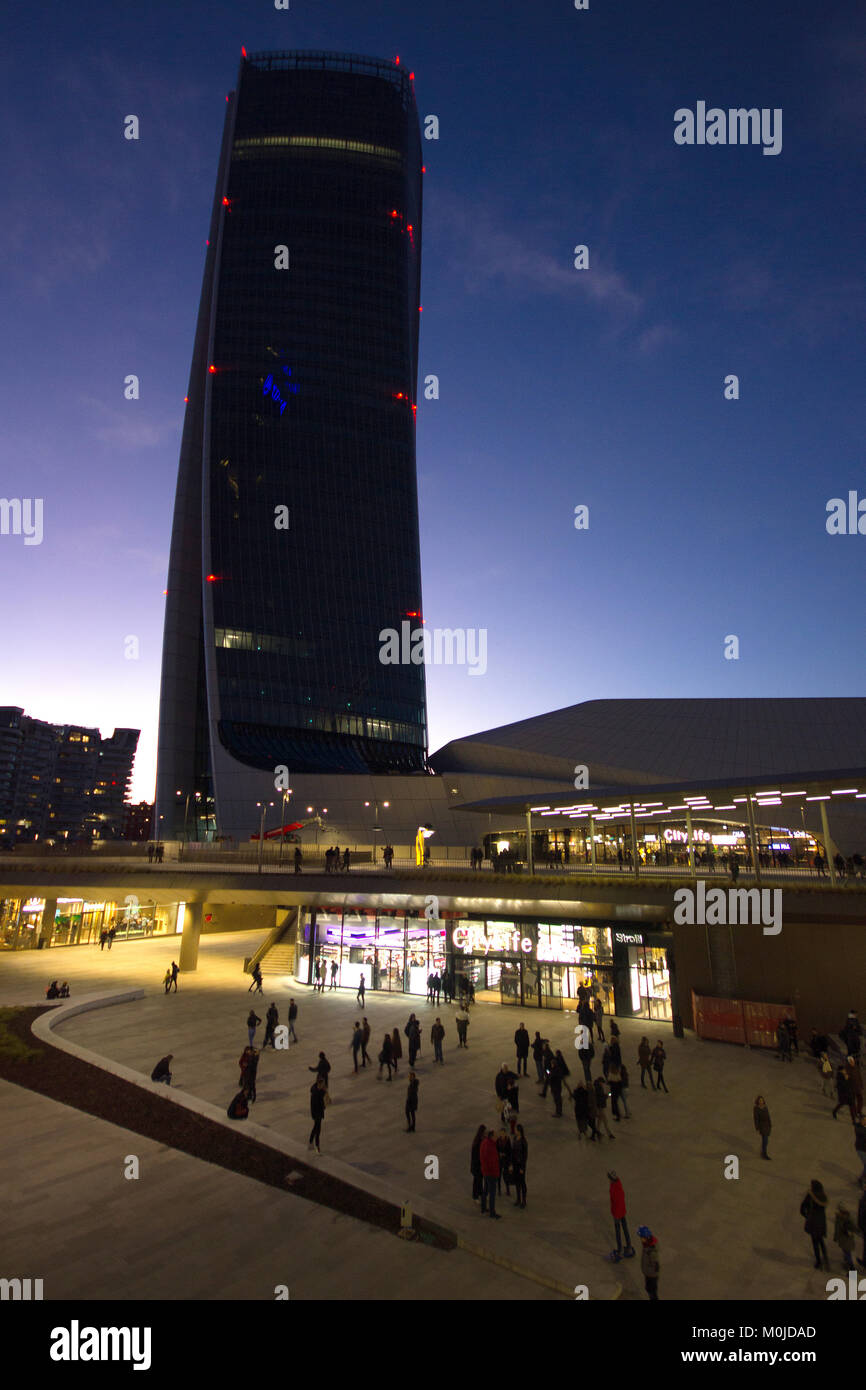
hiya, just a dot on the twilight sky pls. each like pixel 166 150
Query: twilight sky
pixel 558 387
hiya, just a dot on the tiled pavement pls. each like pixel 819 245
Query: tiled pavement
pixel 209 1233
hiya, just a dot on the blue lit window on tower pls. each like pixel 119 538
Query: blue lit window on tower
pixel 280 389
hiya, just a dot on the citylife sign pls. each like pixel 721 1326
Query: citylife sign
pixel 473 940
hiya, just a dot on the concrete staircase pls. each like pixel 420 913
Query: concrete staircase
pixel 279 960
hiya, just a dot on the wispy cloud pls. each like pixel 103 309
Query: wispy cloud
pixel 124 427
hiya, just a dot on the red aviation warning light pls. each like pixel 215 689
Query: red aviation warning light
pixel 397 61
pixel 243 52
pixel 211 579
pixel 227 202
pixel 211 368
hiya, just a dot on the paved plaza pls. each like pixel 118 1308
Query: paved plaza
pixel 197 1231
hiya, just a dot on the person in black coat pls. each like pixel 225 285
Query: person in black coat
pixel 558 1072
pixel 519 1158
pixel 538 1057
pixel 475 1163
pixel 317 1110
pixel 843 1090
pixel 322 1068
pixel 162 1070
pixel 411 1103
pixel 814 1208
pixel 521 1043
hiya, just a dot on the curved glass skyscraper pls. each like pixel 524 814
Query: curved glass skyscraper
pixel 295 537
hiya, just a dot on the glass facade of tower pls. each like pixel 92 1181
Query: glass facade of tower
pixel 300 456
pixel 310 460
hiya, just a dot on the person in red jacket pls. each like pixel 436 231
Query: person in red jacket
pixel 620 1225
pixel 489 1155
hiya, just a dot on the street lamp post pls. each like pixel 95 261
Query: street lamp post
pixel 264 805
pixel 377 829
pixel 286 794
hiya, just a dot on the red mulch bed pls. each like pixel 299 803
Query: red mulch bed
pixel 86 1087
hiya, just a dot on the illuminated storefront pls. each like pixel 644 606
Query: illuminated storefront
pixel 642 973
pixel 395 951
pixel 78 922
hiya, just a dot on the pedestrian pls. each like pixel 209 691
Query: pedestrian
pixel 250 1074
pixel 791 1028
pixel 521 1043
pixel 475 1163
pixel 519 1158
pixel 293 1014
pixel 461 1018
pixel 430 988
pixel 503 1148
pixel 601 1094
pixel 860 1147
pixel 826 1075
pixel 150 850
pixel 620 1224
pixel 489 1156
pixel 592 1111
pixel 614 1077
pixel 272 1019
pixel 396 1049
pixel 413 1035
pixel 298 859
pixel 649 1262
pixel 783 1042
pixel 160 852
pixel 318 1098
pixel 500 1085
pixel 855 1081
pixel 843 1091
pixel 356 1044
pixel 558 1072
pixel 624 1090
pixel 365 1038
pixel 238 1108
pixel 644 1057
pixel 659 1059
pixel 162 1070
pixel 852 1033
pixel 257 978
pixel 317 970
pixel 166 979
pixel 175 970
pixel 253 1022
pixel 112 932
pixel 586 1055
pixel 762 1123
pixel 437 1034
pixel 385 1057
pixel 437 987
pixel 598 1010
pixel 447 991
pixel 243 1065
pixel 814 1208
pixel 411 1103
pixel 334 969
pixel 254 972
pixel 844 1234
pixel 361 987
pixel 580 1097
pixel 538 1045
pixel 586 1016
pixel 322 1068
